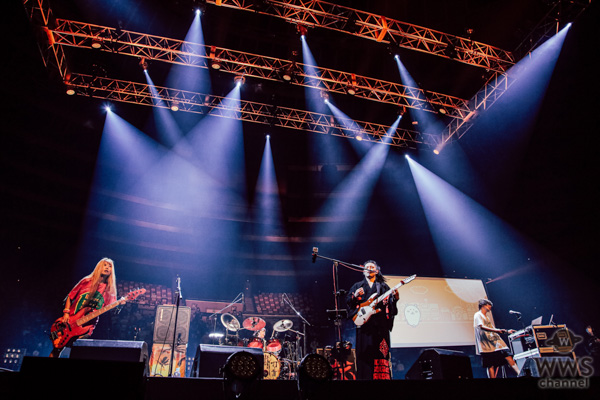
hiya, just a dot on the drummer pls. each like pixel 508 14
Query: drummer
pixel 261 333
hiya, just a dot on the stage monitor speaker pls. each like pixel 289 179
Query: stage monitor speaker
pixel 110 350
pixel 165 322
pixel 441 364
pixel 210 358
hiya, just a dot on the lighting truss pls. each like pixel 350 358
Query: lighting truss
pixel 53 56
pixel 498 83
pixel 321 14
pixel 140 93
pixel 150 47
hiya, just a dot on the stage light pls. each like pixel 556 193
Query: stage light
pixel 359 137
pixel 199 6
pixel 325 96
pixel 70 90
pixel 267 136
pixel 351 89
pixel 239 80
pixel 314 373
pixel 144 64
pixel 442 110
pixel 287 73
pixel 436 151
pixel 107 108
pixel 214 63
pixel 401 111
pixel 301 30
pixel 407 157
pixel 174 105
pixel 239 372
pixel 96 43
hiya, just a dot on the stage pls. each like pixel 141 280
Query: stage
pixel 115 380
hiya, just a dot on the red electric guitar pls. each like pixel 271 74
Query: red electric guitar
pixel 61 334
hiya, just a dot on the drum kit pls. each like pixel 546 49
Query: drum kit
pixel 281 351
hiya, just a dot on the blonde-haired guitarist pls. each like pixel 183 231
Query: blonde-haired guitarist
pixel 91 293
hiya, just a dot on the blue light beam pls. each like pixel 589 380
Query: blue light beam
pixel 469 239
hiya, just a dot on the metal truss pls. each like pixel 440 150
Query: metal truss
pixel 150 47
pixel 139 93
pixel 316 13
pixel 561 11
pixel 53 55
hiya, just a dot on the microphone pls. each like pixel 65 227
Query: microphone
pixel 314 254
pixel 514 312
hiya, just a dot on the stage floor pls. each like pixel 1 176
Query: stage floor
pixel 82 379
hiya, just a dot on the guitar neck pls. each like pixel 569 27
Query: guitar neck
pixel 386 294
pixel 94 314
pixel 403 282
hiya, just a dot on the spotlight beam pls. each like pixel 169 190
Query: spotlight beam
pixel 467 236
pixel 497 85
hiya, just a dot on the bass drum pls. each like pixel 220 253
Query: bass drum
pixel 272 367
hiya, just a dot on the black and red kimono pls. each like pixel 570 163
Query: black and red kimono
pixel 373 337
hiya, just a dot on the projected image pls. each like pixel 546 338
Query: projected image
pixel 436 312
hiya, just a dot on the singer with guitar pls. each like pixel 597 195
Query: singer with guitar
pixel 91 293
pixel 373 337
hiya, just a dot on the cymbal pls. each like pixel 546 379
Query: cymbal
pixel 230 322
pixel 283 325
pixel 254 323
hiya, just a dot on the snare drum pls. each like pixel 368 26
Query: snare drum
pixel 273 346
pixel 272 366
pixel 257 343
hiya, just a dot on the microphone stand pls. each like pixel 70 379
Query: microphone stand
pixel 337 293
pixel 177 302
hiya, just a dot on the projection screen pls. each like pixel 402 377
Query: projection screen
pixel 436 311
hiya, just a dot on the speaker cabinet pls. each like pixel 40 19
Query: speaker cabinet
pixel 164 325
pixel 110 350
pixel 210 358
pixel 441 364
